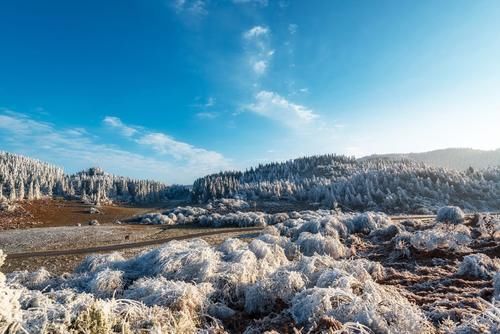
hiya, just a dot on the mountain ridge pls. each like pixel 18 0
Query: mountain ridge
pixel 451 158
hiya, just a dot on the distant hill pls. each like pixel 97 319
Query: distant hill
pixel 452 158
pixel 368 184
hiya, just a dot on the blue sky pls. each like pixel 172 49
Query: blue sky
pixel 172 90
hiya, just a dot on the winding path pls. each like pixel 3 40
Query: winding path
pixel 116 247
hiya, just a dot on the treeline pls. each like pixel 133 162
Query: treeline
pixel 377 184
pixel 23 178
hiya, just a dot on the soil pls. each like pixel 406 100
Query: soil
pixel 58 212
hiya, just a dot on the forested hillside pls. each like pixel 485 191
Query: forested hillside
pixel 26 178
pixel 453 158
pixel 375 184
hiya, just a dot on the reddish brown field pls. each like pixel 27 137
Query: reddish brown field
pixel 49 213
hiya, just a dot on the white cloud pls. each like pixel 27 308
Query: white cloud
pixel 164 144
pixel 259 67
pixel 263 3
pixel 76 149
pixel 194 7
pixel 292 28
pixel 207 115
pixel 210 102
pixel 259 52
pixel 276 107
pixel 256 32
pixel 116 123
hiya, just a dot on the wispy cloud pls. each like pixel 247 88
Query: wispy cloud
pixel 260 67
pixel 206 108
pixel 193 7
pixel 165 145
pixel 210 102
pixel 77 148
pixel 273 106
pixel 292 28
pixel 259 51
pixel 256 32
pixel 194 156
pixel 116 123
pixel 207 115
pixel 262 3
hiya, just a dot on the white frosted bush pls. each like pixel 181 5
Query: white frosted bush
pixel 280 286
pixel 106 283
pixel 478 265
pixel 496 286
pixel 330 277
pixel 234 203
pixel 309 305
pixel 489 227
pixel 269 257
pixel 488 321
pixel 192 260
pixel 279 218
pixel 313 266
pixel 382 309
pixel 38 279
pixel 157 219
pixel 367 222
pixel 10 308
pixel 311 244
pixel 97 262
pixel 176 295
pixel 450 214
pixel 240 219
pixel 442 237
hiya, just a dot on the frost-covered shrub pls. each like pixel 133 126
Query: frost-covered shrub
pixel 240 219
pixel 279 218
pixel 309 305
pixel 157 219
pixel 386 233
pixel 276 281
pixel 97 262
pixel 367 222
pixel 233 203
pixel 489 227
pixel 38 279
pixel 496 286
pixel 281 286
pixel 192 260
pixel 450 214
pixel 10 308
pixel 106 283
pixel 270 256
pixel 442 237
pixel 311 244
pixel 478 265
pixel 176 295
pixel 488 321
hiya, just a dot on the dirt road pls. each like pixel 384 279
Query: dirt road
pixel 116 247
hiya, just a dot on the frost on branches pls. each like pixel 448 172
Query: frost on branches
pixel 375 184
pixel 23 178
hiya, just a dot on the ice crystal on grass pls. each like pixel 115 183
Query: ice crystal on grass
pixel 478 265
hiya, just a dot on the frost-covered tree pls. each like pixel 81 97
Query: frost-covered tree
pixel 374 184
pixel 22 177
